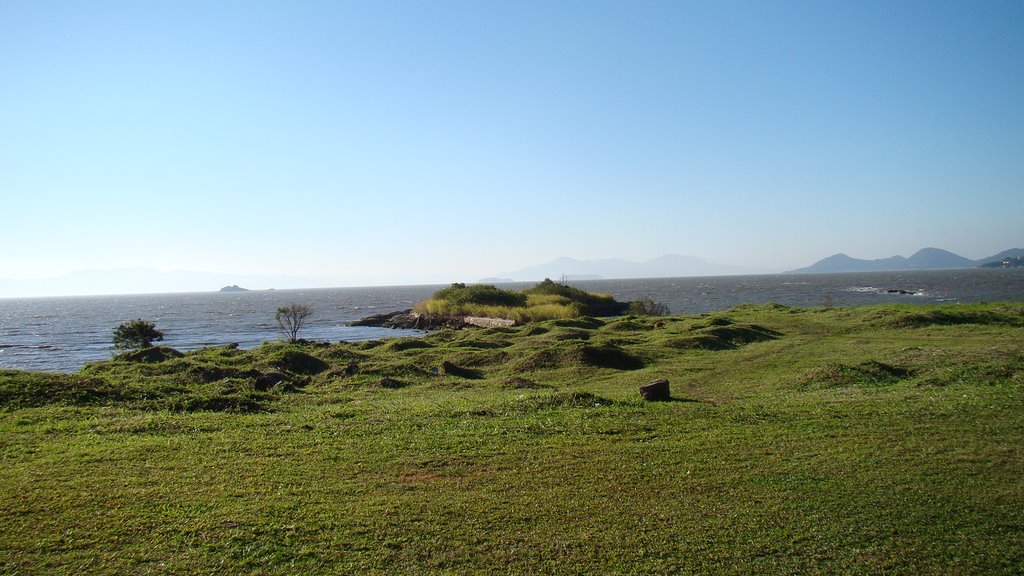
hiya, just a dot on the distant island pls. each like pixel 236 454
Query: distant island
pixel 1017 262
pixel 234 288
pixel 924 259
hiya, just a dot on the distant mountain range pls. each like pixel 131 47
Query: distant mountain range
pixel 669 266
pixel 924 259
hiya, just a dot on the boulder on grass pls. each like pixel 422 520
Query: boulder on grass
pixel 656 391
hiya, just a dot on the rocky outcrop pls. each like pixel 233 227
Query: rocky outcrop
pixel 413 320
pixel 489 322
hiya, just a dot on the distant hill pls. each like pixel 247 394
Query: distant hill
pixel 1009 262
pixel 924 259
pixel 668 266
pixel 234 288
pixel 1011 254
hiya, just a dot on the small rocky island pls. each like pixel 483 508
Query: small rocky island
pixel 234 288
pixel 487 306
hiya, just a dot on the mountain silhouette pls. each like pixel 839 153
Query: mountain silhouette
pixel 924 259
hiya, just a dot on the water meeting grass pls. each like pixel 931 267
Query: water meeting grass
pixel 855 440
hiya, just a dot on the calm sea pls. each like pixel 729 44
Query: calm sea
pixel 62 334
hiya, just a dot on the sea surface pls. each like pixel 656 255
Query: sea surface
pixel 63 334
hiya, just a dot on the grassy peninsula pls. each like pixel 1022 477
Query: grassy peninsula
pixel 856 441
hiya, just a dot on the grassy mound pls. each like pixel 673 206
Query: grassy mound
pixel 870 373
pixel 545 301
pixel 972 314
pixel 27 389
pixel 149 354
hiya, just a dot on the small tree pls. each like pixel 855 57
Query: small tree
pixel 291 318
pixel 648 307
pixel 136 334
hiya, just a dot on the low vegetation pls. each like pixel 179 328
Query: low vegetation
pixel 136 334
pixel 291 318
pixel 548 300
pixel 828 441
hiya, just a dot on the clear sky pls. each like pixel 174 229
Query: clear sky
pixel 432 141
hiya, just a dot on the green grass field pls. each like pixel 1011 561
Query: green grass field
pixel 878 440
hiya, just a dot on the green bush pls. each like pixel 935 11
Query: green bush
pixel 136 334
pixel 648 307
pixel 592 304
pixel 459 294
pixel 547 300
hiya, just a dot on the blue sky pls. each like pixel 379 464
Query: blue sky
pixel 433 141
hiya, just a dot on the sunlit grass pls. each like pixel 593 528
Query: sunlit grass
pixel 883 440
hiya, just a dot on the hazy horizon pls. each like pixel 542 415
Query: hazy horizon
pixel 402 143
pixel 142 280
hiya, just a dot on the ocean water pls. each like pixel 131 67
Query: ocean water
pixel 62 334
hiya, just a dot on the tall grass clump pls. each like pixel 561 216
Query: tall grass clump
pixel 593 304
pixel 546 301
pixel 460 294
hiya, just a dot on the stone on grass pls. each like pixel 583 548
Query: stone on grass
pixel 656 390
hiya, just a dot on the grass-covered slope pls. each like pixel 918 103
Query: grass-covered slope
pixel 855 441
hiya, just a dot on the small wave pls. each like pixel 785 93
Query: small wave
pixel 885 291
pixel 903 292
pixel 31 347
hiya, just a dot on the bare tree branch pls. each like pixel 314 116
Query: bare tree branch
pixel 291 318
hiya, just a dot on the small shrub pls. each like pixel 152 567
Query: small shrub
pixel 487 294
pixel 136 334
pixel 648 307
pixel 590 303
